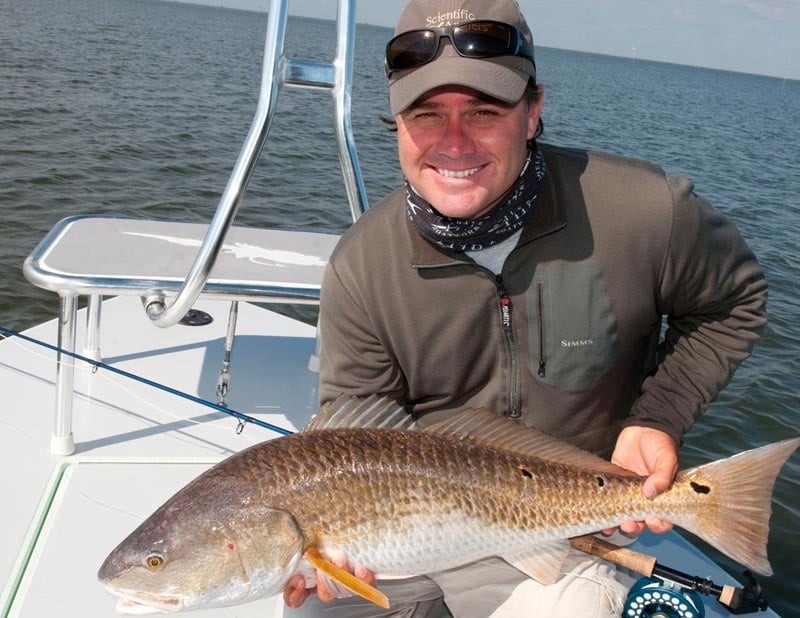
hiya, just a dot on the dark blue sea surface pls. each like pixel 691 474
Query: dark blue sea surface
pixel 139 108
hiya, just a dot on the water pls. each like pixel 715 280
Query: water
pixel 136 107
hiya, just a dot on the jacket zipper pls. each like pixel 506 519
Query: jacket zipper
pixel 540 303
pixel 505 322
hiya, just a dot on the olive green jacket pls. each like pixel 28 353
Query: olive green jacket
pixel 569 339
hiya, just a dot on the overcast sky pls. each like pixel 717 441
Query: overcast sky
pixel 752 36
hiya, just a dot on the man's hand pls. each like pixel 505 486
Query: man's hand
pixel 295 592
pixel 651 453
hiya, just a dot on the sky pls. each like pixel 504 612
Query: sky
pixel 750 36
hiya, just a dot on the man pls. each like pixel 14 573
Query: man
pixel 531 281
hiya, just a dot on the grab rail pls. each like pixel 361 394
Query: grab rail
pixel 277 71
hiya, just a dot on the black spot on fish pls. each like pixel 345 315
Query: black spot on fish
pixel 700 489
pixel 601 482
pixel 526 473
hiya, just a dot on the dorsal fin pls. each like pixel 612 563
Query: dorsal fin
pixel 382 412
pixel 492 430
pixel 373 412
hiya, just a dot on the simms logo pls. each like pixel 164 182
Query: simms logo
pixel 577 343
pixel 449 18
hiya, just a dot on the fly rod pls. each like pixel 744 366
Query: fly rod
pixel 736 599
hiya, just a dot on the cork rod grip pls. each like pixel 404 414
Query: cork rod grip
pixel 633 560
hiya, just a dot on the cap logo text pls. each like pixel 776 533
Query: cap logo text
pixel 449 18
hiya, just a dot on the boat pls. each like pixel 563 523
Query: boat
pixel 154 369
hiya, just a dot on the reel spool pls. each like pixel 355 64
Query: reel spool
pixel 653 598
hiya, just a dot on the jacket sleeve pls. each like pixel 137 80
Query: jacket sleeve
pixel 713 294
pixel 353 360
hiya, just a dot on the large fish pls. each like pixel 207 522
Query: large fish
pixel 363 481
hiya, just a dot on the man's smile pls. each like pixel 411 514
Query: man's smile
pixel 457 173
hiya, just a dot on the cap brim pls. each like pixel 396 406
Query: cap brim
pixel 503 78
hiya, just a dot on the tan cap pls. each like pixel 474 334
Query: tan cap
pixel 502 77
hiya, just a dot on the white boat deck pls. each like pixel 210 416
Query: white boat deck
pixel 135 445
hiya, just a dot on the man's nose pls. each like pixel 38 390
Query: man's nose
pixel 455 140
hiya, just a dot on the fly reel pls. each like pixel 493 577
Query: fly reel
pixel 654 598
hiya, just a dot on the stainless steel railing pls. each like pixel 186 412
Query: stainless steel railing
pixel 277 72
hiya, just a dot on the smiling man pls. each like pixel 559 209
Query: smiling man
pixel 461 149
pixel 532 281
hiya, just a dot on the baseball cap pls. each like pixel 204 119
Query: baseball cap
pixel 502 77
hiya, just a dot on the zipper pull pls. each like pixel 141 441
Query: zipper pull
pixel 505 305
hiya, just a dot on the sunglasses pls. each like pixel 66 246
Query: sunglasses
pixel 472 39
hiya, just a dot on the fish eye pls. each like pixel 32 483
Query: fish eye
pixel 154 562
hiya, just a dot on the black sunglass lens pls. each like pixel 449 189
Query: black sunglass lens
pixel 481 39
pixel 411 49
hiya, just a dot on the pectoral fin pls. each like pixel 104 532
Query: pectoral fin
pixel 343 578
pixel 487 428
pixel 544 563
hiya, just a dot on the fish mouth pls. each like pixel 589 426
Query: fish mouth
pixel 141 606
pixel 133 608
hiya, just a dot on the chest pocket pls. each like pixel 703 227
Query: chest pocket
pixel 573 331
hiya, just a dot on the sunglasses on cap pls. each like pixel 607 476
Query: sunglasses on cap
pixel 472 39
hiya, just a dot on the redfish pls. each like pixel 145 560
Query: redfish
pixel 362 480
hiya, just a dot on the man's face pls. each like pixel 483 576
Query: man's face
pixel 461 151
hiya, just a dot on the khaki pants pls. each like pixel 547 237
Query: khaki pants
pixel 590 588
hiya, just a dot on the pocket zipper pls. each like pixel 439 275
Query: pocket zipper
pixel 540 303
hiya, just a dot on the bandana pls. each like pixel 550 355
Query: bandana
pixel 511 212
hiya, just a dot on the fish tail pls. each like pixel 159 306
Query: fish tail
pixel 737 502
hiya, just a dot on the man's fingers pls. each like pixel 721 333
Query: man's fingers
pixel 635 528
pixel 632 528
pixel 661 478
pixel 629 528
pixel 365 575
pixel 324 593
pixel 295 592
pixel 658 525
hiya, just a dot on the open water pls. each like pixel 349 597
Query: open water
pixel 139 107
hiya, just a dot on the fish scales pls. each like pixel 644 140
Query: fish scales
pixel 376 492
pixel 402 501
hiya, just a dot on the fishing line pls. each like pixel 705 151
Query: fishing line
pixel 36 443
pixel 94 364
pixel 105 505
pixel 119 385
pixel 166 413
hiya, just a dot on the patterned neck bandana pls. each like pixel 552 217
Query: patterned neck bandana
pixel 502 221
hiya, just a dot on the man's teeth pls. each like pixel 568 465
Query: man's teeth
pixel 457 173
